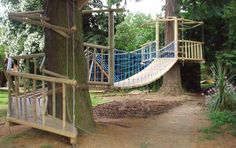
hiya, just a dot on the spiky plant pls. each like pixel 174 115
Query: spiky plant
pixel 223 95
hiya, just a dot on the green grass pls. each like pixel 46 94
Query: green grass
pixel 222 121
pixel 3 98
pixel 97 100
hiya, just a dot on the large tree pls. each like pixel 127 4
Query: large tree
pixel 172 79
pixel 69 14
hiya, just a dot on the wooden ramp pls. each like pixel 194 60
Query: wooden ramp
pixel 151 73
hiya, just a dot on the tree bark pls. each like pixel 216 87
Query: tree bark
pixel 58 51
pixel 172 79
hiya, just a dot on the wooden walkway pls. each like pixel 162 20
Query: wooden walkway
pixel 151 73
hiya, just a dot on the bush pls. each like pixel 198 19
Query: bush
pixel 222 96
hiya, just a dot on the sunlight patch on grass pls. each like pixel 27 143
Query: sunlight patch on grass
pixel 97 100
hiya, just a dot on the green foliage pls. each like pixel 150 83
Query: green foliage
pixel 228 58
pixel 20 38
pixel 220 121
pixel 223 96
pixel 130 35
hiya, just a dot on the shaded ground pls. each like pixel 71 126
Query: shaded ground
pixel 133 109
pixel 176 128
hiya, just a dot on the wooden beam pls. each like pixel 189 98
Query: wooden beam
pixel 42 78
pixel 96 46
pixel 42 24
pixel 29 16
pixel 29 56
pixel 103 10
pixel 100 67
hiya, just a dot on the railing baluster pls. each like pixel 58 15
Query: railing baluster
pixel 44 103
pixel 9 112
pixel 25 99
pixel 34 101
pixel 64 105
pixel 186 49
pixel 16 96
pixel 54 99
pixel 94 65
pixel 102 64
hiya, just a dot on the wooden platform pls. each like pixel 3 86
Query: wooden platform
pixel 25 117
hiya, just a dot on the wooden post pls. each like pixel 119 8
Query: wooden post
pixel 176 33
pixel 186 49
pixel 112 46
pixel 157 37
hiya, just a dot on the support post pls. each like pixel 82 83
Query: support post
pixel 176 32
pixel 112 46
pixel 157 37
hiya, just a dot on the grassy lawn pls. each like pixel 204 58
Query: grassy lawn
pixel 221 122
pixel 3 104
pixel 97 100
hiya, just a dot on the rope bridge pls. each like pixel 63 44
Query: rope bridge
pixel 132 69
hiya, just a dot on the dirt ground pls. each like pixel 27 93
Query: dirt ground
pixel 177 127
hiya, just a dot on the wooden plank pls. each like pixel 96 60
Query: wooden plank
pixel 42 78
pixel 54 74
pixel 30 12
pixel 47 128
pixel 103 72
pixel 64 105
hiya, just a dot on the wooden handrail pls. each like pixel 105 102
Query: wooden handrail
pixel 189 41
pixel 42 78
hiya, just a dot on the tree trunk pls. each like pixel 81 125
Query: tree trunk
pixel 58 51
pixel 172 79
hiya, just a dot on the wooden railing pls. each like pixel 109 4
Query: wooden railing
pixel 98 64
pixel 190 50
pixel 28 101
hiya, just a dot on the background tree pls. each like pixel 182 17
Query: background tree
pixel 130 35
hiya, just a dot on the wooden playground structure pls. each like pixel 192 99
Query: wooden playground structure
pixel 30 91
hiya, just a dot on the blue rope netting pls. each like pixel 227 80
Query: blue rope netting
pixel 126 64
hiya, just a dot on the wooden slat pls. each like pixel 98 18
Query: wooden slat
pixel 95 46
pixel 94 65
pixel 36 55
pixel 16 96
pixel 54 99
pixel 9 111
pixel 25 99
pixel 64 105
pixel 44 103
pixel 34 101
pixel 186 49
pixel 102 64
